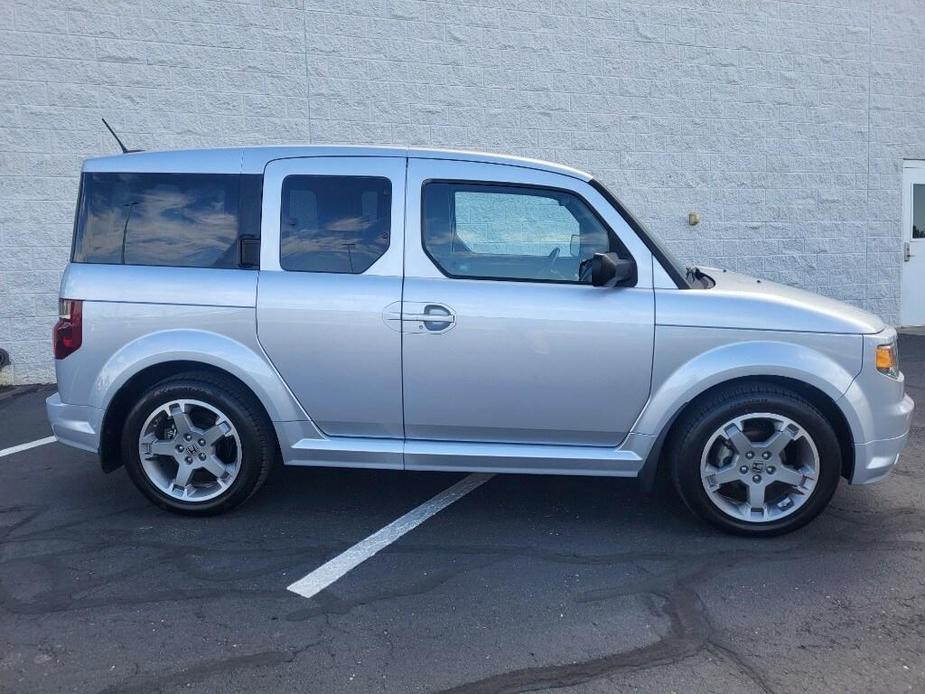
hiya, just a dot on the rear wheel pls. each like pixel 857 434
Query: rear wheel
pixel 755 459
pixel 198 444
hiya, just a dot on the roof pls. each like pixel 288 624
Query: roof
pixel 255 159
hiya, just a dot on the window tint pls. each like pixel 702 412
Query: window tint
pixel 334 223
pixel 511 232
pixel 184 220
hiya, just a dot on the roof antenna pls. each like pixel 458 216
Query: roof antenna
pixel 125 150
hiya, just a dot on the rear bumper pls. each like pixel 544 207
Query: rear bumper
pixel 74 425
pixel 874 460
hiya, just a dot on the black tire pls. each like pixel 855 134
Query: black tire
pixel 704 417
pixel 259 446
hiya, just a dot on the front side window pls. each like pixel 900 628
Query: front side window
pixel 181 220
pixel 495 231
pixel 334 223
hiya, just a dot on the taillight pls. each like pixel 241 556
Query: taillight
pixel 68 331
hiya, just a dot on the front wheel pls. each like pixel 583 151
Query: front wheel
pixel 755 459
pixel 198 444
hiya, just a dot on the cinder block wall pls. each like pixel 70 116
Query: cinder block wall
pixel 783 123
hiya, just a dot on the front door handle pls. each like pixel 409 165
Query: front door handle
pixel 428 317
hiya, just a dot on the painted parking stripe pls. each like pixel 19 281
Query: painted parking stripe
pixel 27 446
pixel 328 573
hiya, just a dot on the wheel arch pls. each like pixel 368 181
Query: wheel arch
pixel 121 403
pixel 152 358
pixel 819 398
pixel 820 368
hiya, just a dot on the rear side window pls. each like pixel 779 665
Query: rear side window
pixel 179 220
pixel 334 223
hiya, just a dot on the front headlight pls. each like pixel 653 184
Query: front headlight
pixel 887 359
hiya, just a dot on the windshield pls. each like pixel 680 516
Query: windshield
pixel 678 272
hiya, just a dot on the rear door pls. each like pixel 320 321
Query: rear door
pixel 330 269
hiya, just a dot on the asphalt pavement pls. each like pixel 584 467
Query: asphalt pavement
pixel 525 584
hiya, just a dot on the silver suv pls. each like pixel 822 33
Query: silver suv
pixel 441 310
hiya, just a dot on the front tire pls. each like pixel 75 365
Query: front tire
pixel 755 459
pixel 198 444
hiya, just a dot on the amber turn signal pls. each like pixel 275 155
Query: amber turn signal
pixel 886 360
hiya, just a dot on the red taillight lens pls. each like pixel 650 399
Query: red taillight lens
pixel 68 331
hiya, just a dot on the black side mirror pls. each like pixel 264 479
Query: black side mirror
pixel 610 270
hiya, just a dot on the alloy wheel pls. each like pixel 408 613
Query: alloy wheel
pixel 759 467
pixel 190 450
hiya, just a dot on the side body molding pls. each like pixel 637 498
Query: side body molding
pixel 690 360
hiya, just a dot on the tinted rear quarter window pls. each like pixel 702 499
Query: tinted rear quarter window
pixel 179 220
pixel 334 223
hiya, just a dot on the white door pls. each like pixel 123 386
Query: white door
pixel 912 310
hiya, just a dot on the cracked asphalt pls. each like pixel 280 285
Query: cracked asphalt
pixel 526 584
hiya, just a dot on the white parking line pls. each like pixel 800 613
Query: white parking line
pixel 27 446
pixel 327 573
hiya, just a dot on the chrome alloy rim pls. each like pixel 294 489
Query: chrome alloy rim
pixel 190 450
pixel 759 467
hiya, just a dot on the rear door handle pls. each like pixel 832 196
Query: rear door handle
pixel 427 317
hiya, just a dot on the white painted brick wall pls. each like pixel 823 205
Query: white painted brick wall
pixel 783 123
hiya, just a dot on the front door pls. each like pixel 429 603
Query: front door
pixel 504 338
pixel 912 310
pixel 330 266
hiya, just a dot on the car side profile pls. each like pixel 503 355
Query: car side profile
pixel 441 310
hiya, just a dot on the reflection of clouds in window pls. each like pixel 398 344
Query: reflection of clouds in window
pixel 334 237
pixel 334 223
pixel 186 220
pixel 104 245
pixel 200 229
pixel 348 244
pixel 437 239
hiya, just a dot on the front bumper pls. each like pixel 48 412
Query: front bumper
pixel 74 425
pixel 874 460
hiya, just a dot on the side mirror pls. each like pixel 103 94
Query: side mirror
pixel 610 270
pixel 574 246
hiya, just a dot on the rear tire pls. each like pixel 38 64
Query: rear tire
pixel 198 444
pixel 755 459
